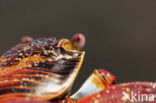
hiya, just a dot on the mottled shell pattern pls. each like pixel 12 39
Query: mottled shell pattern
pixel 39 69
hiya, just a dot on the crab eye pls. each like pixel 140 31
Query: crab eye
pixel 79 39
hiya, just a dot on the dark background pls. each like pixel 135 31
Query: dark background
pixel 120 35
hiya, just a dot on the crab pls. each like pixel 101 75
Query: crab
pixel 44 70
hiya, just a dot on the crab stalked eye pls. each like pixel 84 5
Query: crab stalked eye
pixel 79 40
pixel 76 43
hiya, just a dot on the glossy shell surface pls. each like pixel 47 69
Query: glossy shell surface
pixel 38 69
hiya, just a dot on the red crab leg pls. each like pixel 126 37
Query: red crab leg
pixel 97 81
pixel 131 92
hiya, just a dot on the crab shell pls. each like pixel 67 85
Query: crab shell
pixel 39 70
pixel 130 92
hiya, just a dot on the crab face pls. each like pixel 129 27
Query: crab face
pixel 41 69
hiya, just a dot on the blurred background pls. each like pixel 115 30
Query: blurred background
pixel 120 35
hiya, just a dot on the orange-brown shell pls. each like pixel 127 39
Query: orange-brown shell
pixel 38 69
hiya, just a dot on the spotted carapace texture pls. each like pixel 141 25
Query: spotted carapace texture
pixel 131 92
pixel 40 69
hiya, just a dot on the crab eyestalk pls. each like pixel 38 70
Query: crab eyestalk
pixel 99 80
pixel 76 43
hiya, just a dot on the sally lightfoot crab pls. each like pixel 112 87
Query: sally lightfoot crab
pixel 43 71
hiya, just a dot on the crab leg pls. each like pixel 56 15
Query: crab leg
pixel 131 92
pixel 98 80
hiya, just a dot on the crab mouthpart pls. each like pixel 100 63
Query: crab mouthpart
pixel 76 43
